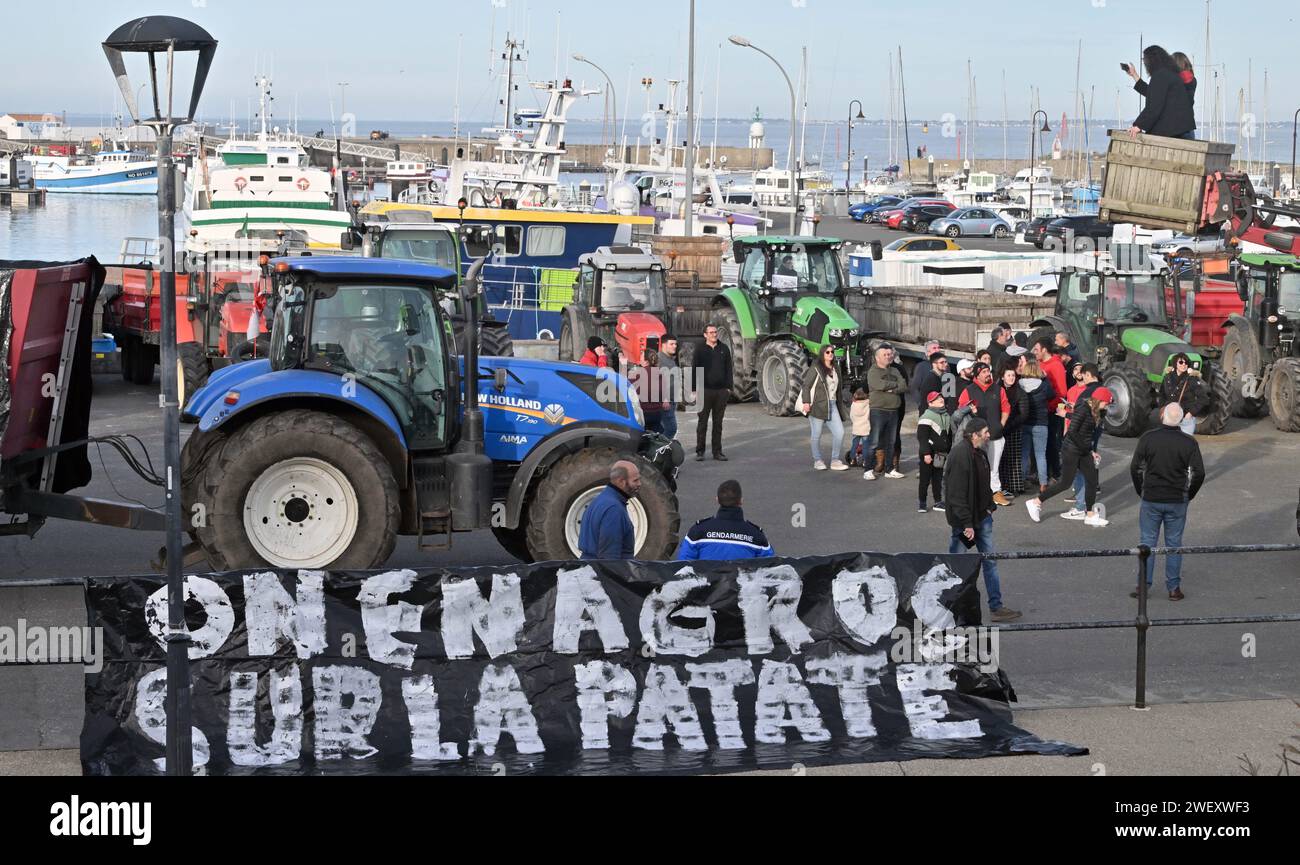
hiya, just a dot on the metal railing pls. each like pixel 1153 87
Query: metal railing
pixel 1143 622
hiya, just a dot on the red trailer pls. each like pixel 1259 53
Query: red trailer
pixel 46 310
pixel 213 308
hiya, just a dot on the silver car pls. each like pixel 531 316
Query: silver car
pixel 973 222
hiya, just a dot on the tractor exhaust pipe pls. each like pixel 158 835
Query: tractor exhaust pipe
pixel 468 467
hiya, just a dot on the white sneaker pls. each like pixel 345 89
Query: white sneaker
pixel 895 475
pixel 819 466
pixel 1035 508
pixel 1074 514
pixel 1097 522
pixel 838 466
pixel 869 475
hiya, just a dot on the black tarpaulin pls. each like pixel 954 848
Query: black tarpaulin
pixel 560 668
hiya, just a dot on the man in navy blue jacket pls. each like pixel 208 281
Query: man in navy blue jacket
pixel 606 531
pixel 726 536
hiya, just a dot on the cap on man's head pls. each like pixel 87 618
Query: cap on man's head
pixel 1103 394
pixel 594 343
pixel 933 396
pixel 982 367
pixel 964 364
pixel 1017 351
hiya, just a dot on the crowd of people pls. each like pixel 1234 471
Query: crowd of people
pixel 1025 418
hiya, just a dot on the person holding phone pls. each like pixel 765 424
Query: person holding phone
pixel 1168 109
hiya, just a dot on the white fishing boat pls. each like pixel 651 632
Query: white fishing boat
pixel 1049 196
pixel 110 172
pixel 260 187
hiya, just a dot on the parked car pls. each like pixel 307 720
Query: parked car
pixel 923 244
pixel 1077 233
pixel 1036 230
pixel 862 210
pixel 1184 246
pixel 973 222
pixel 882 214
pixel 920 217
pixel 1043 284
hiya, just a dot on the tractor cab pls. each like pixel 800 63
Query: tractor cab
pixel 780 270
pixel 1269 285
pixel 621 296
pixel 1098 306
pixel 375 323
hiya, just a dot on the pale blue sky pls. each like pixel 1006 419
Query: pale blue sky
pixel 401 58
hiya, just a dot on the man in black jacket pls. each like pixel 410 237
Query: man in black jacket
pixel 713 375
pixel 969 499
pixel 1168 110
pixel 1167 472
pixel 926 376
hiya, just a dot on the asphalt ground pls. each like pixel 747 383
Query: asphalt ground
pixel 1249 497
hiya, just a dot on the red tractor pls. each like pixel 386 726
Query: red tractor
pixel 621 296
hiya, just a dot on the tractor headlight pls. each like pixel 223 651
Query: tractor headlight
pixel 840 333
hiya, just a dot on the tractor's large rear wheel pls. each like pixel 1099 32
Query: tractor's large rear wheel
pixel 195 369
pixel 573 340
pixel 495 342
pixel 562 497
pixel 781 367
pixel 1241 358
pixel 743 386
pixel 1284 394
pixel 298 489
pixel 1130 413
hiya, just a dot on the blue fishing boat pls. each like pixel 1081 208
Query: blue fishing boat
pixel 112 172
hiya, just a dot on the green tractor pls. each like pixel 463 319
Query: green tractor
pixel 1261 354
pixel 1125 321
pixel 788 304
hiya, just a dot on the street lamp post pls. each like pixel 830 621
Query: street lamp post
pixel 1295 121
pixel 1033 162
pixel 613 96
pixel 162 37
pixel 848 160
pixel 794 122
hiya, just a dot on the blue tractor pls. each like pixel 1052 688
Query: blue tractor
pixel 362 425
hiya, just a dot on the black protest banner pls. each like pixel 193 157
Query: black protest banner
pixel 559 668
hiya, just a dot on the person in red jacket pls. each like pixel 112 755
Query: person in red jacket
pixel 1054 371
pixel 596 354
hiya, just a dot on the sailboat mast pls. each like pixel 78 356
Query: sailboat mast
pixel 803 111
pixel 902 88
pixel 1006 150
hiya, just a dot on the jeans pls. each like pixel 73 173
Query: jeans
pixel 668 423
pixel 884 432
pixel 853 449
pixel 1190 136
pixel 995 448
pixel 712 404
pixel 984 543
pixel 1188 426
pixel 1033 446
pixel 1174 518
pixel 836 425
pixel 1080 487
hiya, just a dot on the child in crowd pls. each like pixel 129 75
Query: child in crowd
pixel 860 417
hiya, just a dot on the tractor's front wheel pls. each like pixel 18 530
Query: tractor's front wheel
pixel 562 497
pixel 781 368
pixel 1130 413
pixel 1284 395
pixel 298 489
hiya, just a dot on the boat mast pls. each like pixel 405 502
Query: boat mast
pixel 803 120
pixel 1006 151
pixel 902 87
pixel 690 126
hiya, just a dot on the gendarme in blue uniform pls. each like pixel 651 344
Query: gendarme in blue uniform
pixel 723 538
pixel 606 531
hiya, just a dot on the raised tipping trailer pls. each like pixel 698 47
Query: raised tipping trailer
pixel 45 392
